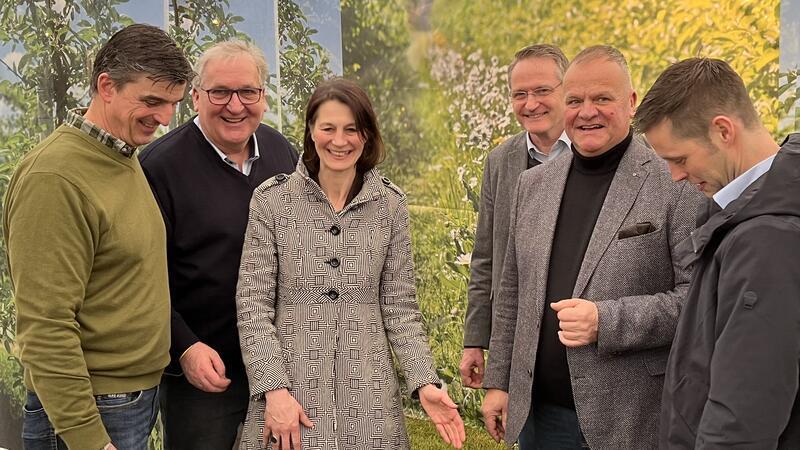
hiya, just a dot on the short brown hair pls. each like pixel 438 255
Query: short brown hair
pixel 691 93
pixel 540 51
pixel 141 49
pixel 349 93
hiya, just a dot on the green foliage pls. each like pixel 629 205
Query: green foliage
pixel 304 64
pixel 56 45
pixel 376 42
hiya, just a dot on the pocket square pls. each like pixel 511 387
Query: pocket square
pixel 636 230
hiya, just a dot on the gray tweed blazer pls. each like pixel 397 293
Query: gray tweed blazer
pixel 628 270
pixel 503 166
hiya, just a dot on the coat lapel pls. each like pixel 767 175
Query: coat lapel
pixel 628 180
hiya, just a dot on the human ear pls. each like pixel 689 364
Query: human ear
pixel 722 130
pixel 106 87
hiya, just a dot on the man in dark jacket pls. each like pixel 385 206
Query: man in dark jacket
pixel 732 378
pixel 203 174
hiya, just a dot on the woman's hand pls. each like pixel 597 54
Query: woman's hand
pixel 282 419
pixel 444 414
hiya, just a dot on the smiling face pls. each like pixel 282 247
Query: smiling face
pixel 698 161
pixel 600 104
pixel 134 111
pixel 338 142
pixel 540 115
pixel 229 126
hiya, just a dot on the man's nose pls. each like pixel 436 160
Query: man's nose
pixel 165 113
pixel 677 173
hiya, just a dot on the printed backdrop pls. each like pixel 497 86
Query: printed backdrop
pixel 436 72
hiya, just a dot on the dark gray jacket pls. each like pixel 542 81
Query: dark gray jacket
pixel 732 378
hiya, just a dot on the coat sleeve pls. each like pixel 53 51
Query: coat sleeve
pixel 640 322
pixel 478 320
pixel 504 319
pixel 256 295
pixel 398 302
pixel 52 232
pixel 754 367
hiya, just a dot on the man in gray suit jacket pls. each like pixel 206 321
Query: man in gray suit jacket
pixel 590 292
pixel 534 79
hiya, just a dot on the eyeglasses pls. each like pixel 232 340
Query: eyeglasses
pixel 540 92
pixel 247 96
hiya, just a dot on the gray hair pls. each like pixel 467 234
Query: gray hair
pixel 606 52
pixel 228 49
pixel 540 51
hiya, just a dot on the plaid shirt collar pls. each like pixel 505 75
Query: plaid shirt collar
pixel 75 119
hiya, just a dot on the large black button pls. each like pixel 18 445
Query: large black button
pixel 335 230
pixel 334 262
pixel 332 294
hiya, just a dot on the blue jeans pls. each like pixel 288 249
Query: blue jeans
pixel 551 426
pixel 128 419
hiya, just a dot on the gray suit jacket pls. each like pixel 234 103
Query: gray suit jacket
pixel 500 173
pixel 635 281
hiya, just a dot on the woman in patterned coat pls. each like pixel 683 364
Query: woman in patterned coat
pixel 326 295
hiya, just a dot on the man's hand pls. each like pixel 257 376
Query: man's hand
pixel 495 413
pixel 204 369
pixel 444 414
pixel 577 319
pixel 471 367
pixel 282 419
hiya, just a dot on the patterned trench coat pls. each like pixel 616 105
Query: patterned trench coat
pixel 323 300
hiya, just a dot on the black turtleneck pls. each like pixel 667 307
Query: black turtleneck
pixel 584 193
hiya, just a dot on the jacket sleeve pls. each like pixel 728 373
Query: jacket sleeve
pixel 754 367
pixel 478 320
pixel 642 322
pixel 256 294
pixel 399 310
pixel 52 232
pixel 501 345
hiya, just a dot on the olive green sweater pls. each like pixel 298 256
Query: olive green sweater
pixel 87 256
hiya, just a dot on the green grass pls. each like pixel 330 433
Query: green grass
pixel 424 437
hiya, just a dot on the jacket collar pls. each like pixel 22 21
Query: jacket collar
pixel 773 185
pixel 372 189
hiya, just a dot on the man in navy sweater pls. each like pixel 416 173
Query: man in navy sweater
pixel 203 174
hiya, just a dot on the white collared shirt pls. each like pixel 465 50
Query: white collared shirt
pixel 248 163
pixel 562 144
pixel 735 188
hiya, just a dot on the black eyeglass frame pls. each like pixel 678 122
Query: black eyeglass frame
pixel 229 96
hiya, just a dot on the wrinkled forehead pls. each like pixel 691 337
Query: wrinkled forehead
pixel 236 68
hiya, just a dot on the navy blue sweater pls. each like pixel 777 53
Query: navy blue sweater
pixel 205 205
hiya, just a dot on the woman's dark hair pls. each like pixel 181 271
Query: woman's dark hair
pixel 350 94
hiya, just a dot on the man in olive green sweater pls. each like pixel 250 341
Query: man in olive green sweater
pixel 87 256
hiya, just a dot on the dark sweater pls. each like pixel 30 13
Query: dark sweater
pixel 584 193
pixel 205 204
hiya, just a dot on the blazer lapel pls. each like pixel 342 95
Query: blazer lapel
pixel 517 157
pixel 548 202
pixel 628 180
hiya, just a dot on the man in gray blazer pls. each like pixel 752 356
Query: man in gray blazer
pixel 534 79
pixel 590 292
